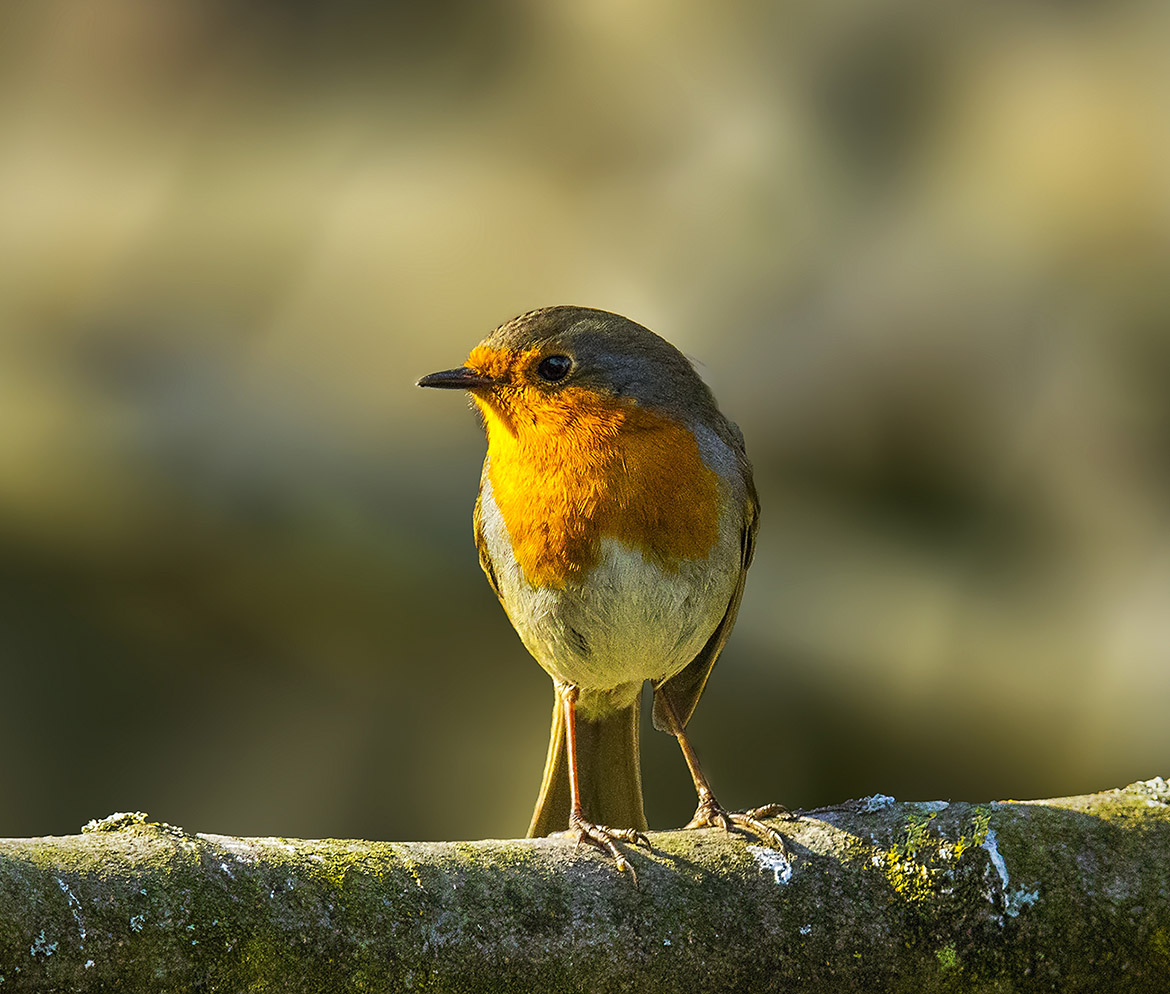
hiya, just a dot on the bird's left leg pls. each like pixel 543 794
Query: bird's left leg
pixel 710 813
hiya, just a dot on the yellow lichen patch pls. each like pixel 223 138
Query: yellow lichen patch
pixel 571 465
pixel 1160 943
pixel 980 823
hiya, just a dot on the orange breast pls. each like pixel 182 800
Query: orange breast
pixel 598 466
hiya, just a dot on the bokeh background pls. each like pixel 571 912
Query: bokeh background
pixel 918 249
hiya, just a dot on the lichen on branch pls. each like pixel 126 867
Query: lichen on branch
pixel 1071 894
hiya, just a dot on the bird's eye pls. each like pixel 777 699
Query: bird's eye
pixel 554 367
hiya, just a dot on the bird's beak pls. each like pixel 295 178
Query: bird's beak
pixel 463 378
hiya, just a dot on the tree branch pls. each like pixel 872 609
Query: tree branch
pixel 1071 894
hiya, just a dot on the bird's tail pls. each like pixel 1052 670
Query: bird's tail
pixel 609 773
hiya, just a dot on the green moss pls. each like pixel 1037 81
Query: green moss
pixel 117 822
pixel 948 958
pixel 260 959
pixel 897 899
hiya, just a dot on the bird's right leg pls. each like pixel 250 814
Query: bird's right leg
pixel 580 828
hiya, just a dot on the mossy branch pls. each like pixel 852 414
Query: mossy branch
pixel 1070 894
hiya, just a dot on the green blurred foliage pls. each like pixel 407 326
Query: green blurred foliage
pixel 919 250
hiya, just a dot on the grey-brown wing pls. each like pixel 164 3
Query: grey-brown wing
pixel 686 687
pixel 485 560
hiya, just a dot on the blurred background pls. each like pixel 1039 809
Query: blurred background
pixel 918 249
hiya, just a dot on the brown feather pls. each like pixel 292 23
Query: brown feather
pixel 686 687
pixel 608 773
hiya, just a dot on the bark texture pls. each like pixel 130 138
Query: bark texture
pixel 1069 894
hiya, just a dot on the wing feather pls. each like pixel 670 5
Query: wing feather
pixel 686 687
pixel 485 559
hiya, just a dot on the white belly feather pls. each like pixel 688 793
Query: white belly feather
pixel 628 621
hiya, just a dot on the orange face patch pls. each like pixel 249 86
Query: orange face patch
pixel 572 465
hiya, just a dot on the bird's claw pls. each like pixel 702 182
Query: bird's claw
pixel 605 838
pixel 711 814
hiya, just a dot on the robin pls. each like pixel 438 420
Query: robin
pixel 615 521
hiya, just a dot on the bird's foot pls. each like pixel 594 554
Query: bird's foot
pixel 711 814
pixel 605 838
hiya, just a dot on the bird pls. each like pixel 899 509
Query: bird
pixel 616 521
